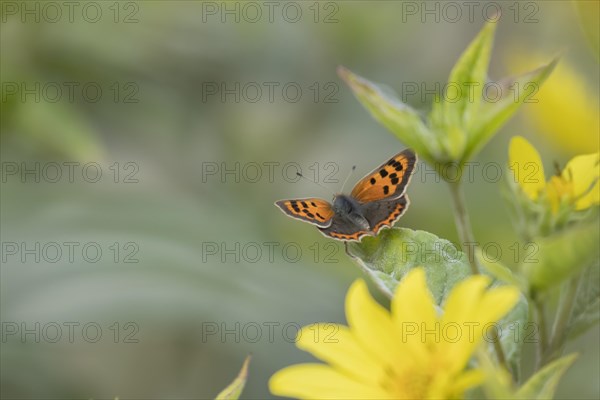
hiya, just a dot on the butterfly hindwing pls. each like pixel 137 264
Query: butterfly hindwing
pixel 382 214
pixel 312 210
pixel 387 182
pixel 342 229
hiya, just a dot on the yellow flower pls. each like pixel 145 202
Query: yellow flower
pixel 408 353
pixel 565 103
pixel 577 183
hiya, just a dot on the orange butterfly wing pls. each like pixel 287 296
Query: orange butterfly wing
pixel 314 211
pixel 387 182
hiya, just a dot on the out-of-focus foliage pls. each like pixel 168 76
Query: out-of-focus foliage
pixel 542 385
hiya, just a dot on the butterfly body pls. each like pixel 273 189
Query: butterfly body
pixel 376 202
pixel 348 210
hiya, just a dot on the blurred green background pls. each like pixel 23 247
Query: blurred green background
pixel 156 131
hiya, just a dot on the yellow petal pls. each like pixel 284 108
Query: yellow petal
pixel 317 381
pixel 463 299
pixel 460 327
pixel 491 307
pixel 496 303
pixel 370 323
pixel 337 346
pixel 526 165
pixel 413 300
pixel 584 171
pixel 414 314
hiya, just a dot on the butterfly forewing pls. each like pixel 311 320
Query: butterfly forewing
pixel 388 181
pixel 312 210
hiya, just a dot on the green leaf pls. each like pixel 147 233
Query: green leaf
pixel 513 328
pixel 389 256
pixel 500 271
pixel 404 122
pixel 453 114
pixel 234 390
pixel 543 384
pixel 464 118
pixel 494 114
pixel 586 309
pixel 563 255
pixel 470 71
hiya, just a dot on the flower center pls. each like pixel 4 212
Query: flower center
pixel 408 384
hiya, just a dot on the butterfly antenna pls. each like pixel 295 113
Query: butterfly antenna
pixel 315 182
pixel 348 177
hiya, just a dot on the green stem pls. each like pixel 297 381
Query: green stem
pixel 465 234
pixel 567 300
pixel 500 354
pixel 463 224
pixel 542 343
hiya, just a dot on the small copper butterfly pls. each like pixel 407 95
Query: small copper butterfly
pixel 377 201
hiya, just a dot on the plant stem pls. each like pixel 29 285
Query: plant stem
pixel 465 234
pixel 567 300
pixel 463 224
pixel 501 356
pixel 542 343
